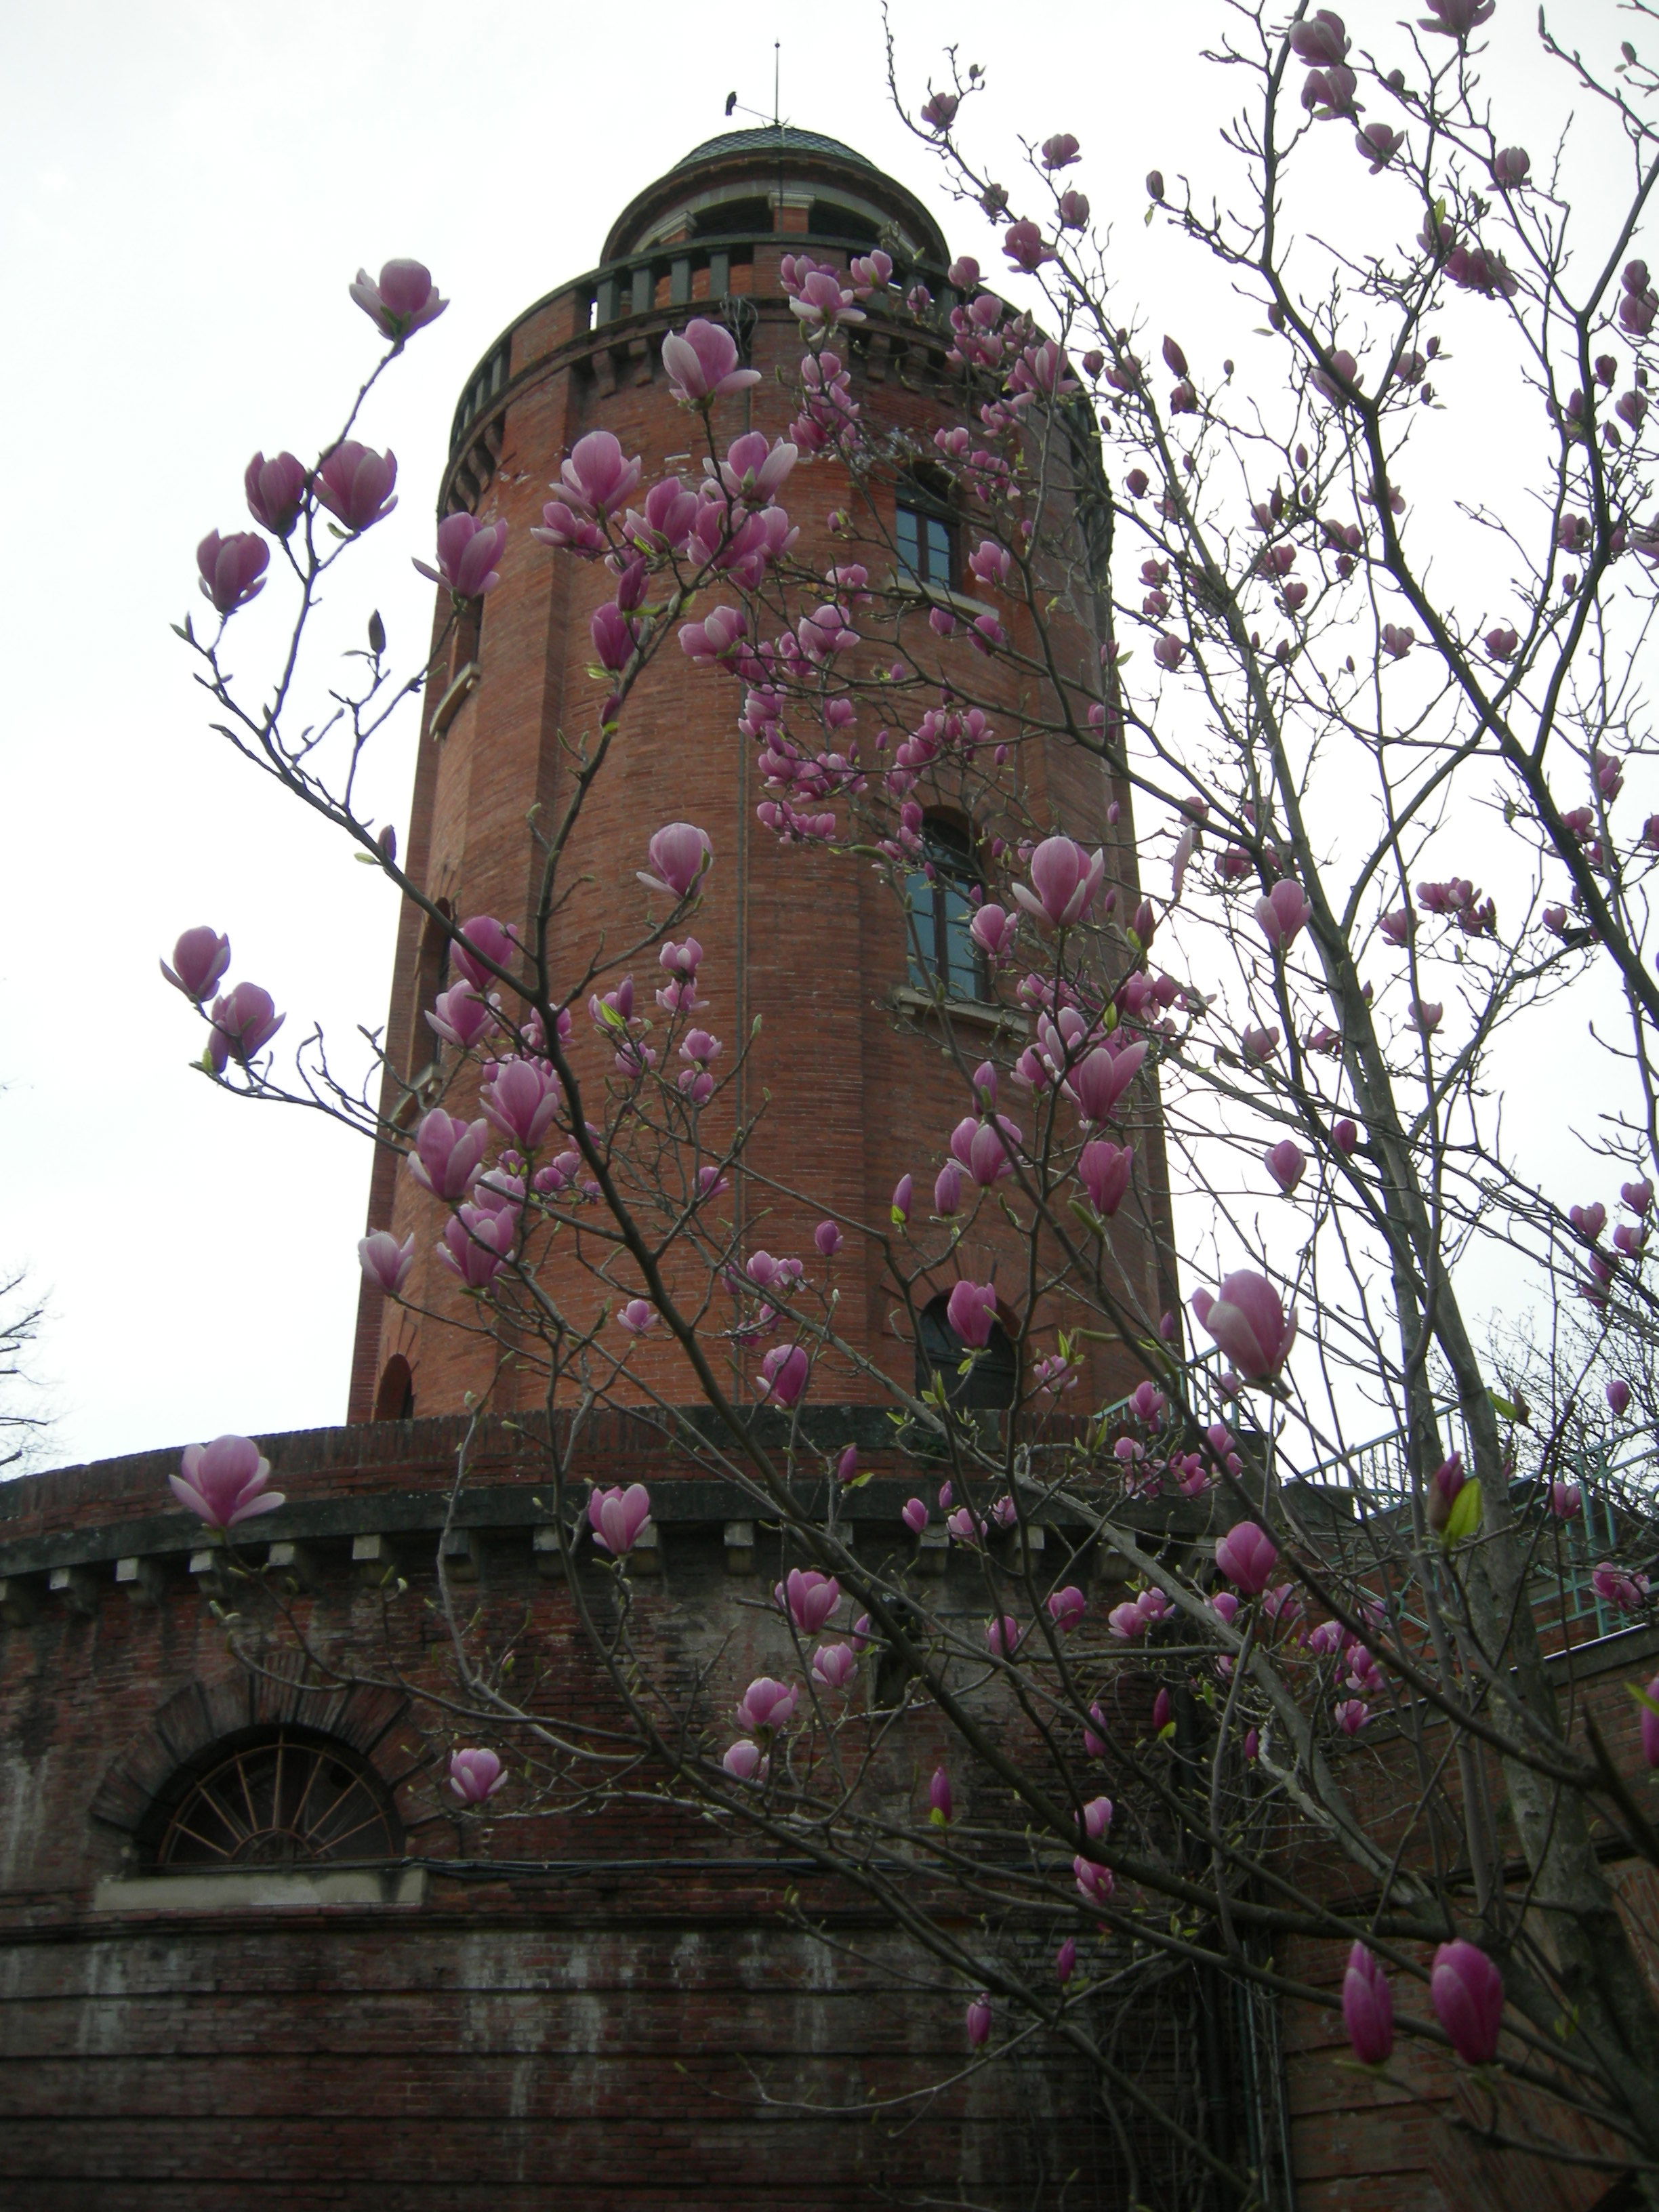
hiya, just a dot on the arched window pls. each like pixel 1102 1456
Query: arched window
pixel 924 530
pixel 274 1797
pixel 990 1384
pixel 943 953
pixel 395 1399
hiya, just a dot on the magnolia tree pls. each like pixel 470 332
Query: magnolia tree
pixel 1320 1718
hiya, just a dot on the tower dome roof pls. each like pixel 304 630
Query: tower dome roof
pixel 779 163
pixel 772 137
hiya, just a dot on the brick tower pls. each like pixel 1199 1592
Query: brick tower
pixel 860 1087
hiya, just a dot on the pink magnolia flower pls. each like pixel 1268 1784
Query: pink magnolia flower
pixel 702 362
pixel 1127 1622
pixel 1065 1961
pixel 808 1597
pixel 1023 245
pixel 680 855
pixel 1285 1162
pixel 1247 1555
pixel 1163 1713
pixel 994 929
pixel 484 935
pixel 224 1482
pixel 233 570
pixel 1065 879
pixel 939 1800
pixel 1615 1587
pixel 1320 38
pixel 783 1375
pixel 1351 1715
pixel 521 1098
pixel 1248 1323
pixel 718 636
pixel 243 1024
pixel 899 1206
pixel 1002 1637
pixel 469 555
pixel 1105 1170
pixel 637 1316
pixel 1619 1398
pixel 1284 913
pixel 199 960
pixel 1455 19
pixel 1639 1196
pixel 1101 1077
pixel 834 1665
pixel 828 1238
pixel 745 1761
pixel 979 2017
pixel 403 301
pixel 475 1776
pixel 617 1517
pixel 276 492
pixel 1368 2007
pixel 475 1241
pixel 1344 1134
pixel 1443 1492
pixel 1566 1500
pixel 767 1705
pixel 1097 1818
pixel 1467 1992
pixel 914 1514
pixel 597 479
pixel 1067 1607
pixel 1095 1882
pixel 985 1148
pixel 353 483
pixel 947 1190
pixel 1095 1739
pixel 462 1016
pixel 385 1261
pixel 447 1154
pixel 972 1310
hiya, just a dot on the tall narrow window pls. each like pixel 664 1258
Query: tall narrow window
pixel 923 541
pixel 943 952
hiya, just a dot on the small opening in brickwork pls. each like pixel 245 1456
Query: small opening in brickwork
pixel 829 220
pixel 731 218
pixel 432 976
pixel 395 1399
pixel 273 1797
pixel 943 953
pixel 992 1382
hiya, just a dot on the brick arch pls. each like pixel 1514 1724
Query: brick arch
pixel 201 1714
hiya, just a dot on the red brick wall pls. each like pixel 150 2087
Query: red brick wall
pixel 810 945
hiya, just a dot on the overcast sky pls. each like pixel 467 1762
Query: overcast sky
pixel 185 193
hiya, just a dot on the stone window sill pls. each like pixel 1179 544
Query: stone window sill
pixel 974 1012
pixel 238 1889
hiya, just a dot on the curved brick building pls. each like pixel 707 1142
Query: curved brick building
pixel 810 946
pixel 250 1955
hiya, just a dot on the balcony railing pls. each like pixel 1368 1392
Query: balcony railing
pixel 664 279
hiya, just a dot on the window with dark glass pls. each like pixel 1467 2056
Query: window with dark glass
pixel 922 539
pixel 993 1381
pixel 943 953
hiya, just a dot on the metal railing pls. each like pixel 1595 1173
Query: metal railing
pixel 662 278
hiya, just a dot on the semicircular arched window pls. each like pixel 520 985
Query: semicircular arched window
pixel 275 1797
pixel 941 898
pixel 992 1382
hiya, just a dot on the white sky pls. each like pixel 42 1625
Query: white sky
pixel 185 193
